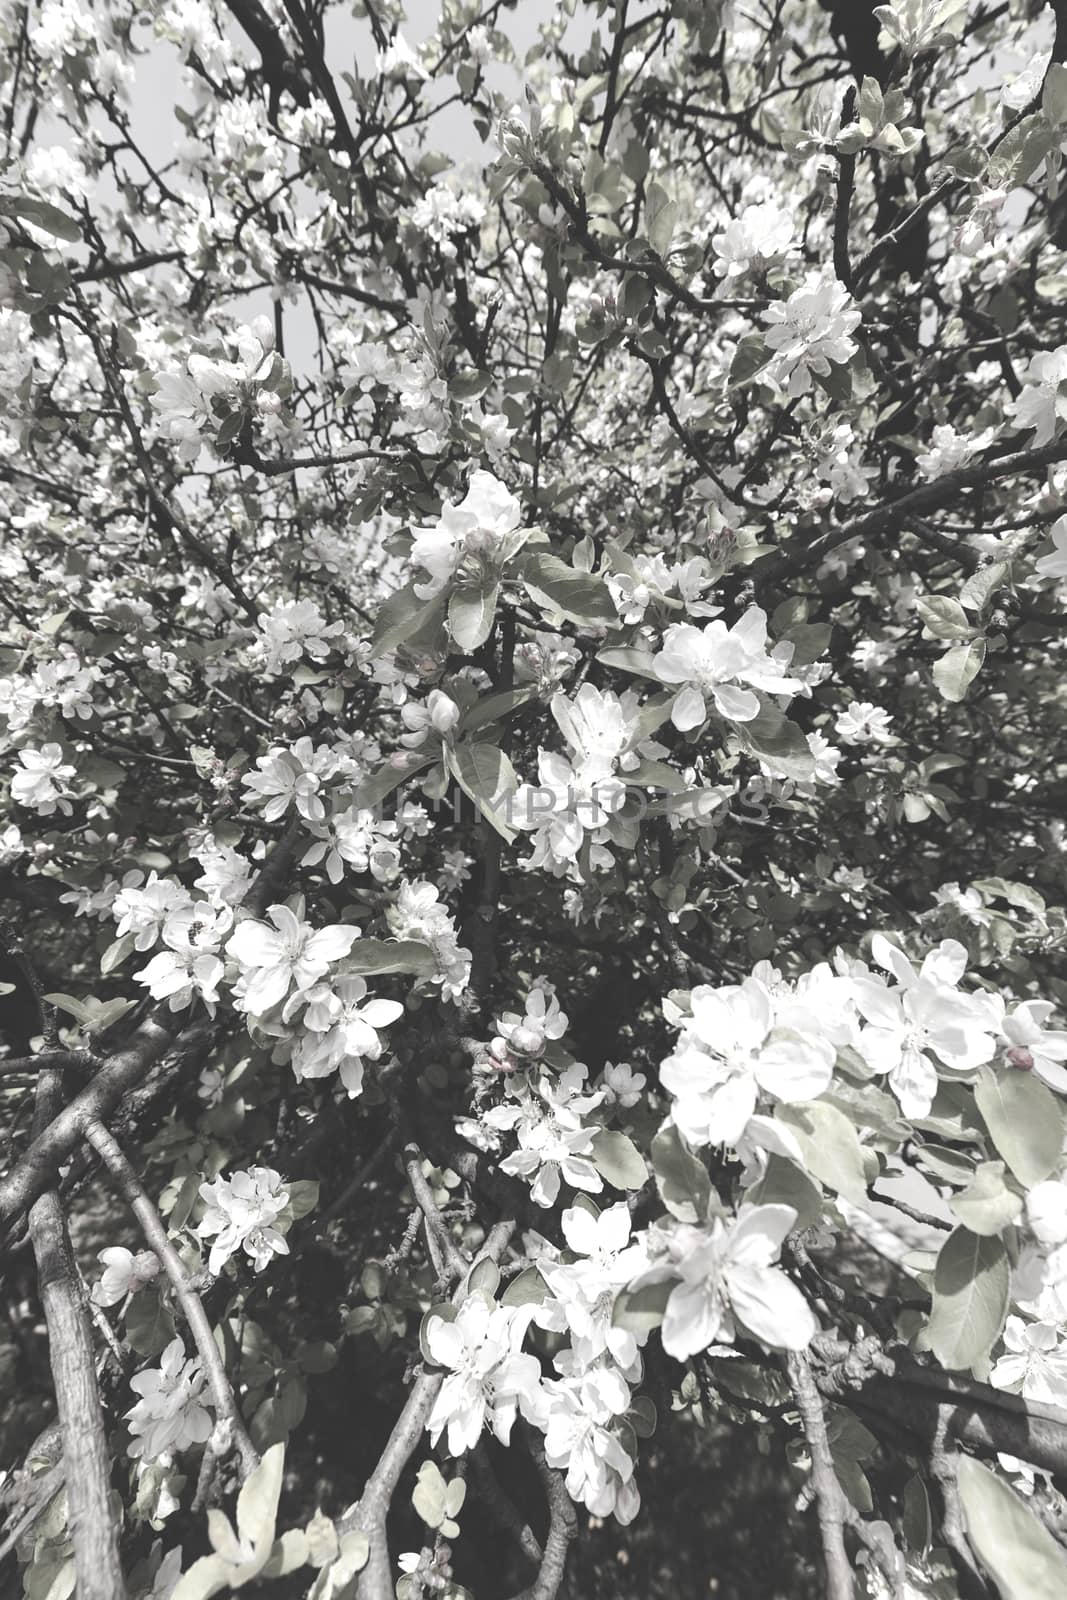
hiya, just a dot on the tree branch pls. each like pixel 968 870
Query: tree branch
pixel 86 1462
pixel 228 1419
pixel 829 1496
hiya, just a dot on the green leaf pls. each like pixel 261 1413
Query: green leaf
pixel 750 358
pixel 830 1147
pixel 484 1278
pixel 972 1282
pixel 624 658
pixel 429 1496
pixel 786 1184
pixel 149 1325
pixel 403 615
pixel 303 1196
pixel 1020 151
pixel 775 739
pixel 528 1288
pixel 943 618
pixel 485 774
pixel 470 614
pixel 564 591
pixel 641 1310
pixel 380 956
pixel 257 1503
pixel 982 584
pixel 661 218
pixel 682 1180
pixel 206 1577
pixel 389 776
pixel 495 707
pixel 957 669
pixel 42 215
pixel 618 1160
pixel 1025 1121
pixel 1014 1547
pixel 987 1205
pixel 116 953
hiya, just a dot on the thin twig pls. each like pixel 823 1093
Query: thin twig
pixel 829 1496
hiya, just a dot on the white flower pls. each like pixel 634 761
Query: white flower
pixel 341 1034
pixel 924 1017
pixel 240 1211
pixel 170 1414
pixel 489 1380
pixel 949 451
pixel 398 60
pixel 293 629
pixel 1040 405
pixel 621 1085
pixel 864 723
pixel 291 777
pixel 579 1439
pixel 419 914
pixel 811 330
pixel 1046 1212
pixel 43 781
pixel 763 233
pixel 227 876
pixel 714 662
pixel 190 965
pixel 542 1020
pixel 1025 1043
pixel 1054 565
pixel 439 716
pixel 584 1292
pixel 291 954
pixel 729 1274
pixel 729 1051
pixel 144 911
pixel 470 536
pixel 1036 1363
pixel 124 1273
pixel 553 1141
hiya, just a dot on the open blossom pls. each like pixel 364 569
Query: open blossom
pixel 553 1141
pixel 722 665
pixel 527 1035
pixel 144 910
pixel 189 966
pixel 1041 405
pixel 171 1413
pixel 283 954
pixel 584 1292
pixel 358 839
pixel 810 331
pixel 124 1273
pixel 621 1085
pixel 43 781
pixel 292 630
pixel 489 1379
pixel 292 777
pixel 580 1440
pixel 438 716
pixel 419 914
pixel 1035 1362
pixel 863 723
pixel 1054 565
pixel 923 1021
pixel 732 1049
pixel 950 450
pixel 728 1274
pixel 470 536
pixel 340 1031
pixel 239 1216
pixel 763 233
pixel 1026 1045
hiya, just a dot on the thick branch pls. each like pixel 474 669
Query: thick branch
pixel 70 1347
pixel 829 1497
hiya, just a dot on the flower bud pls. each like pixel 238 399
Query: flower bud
pixel 444 712
pixel 263 328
